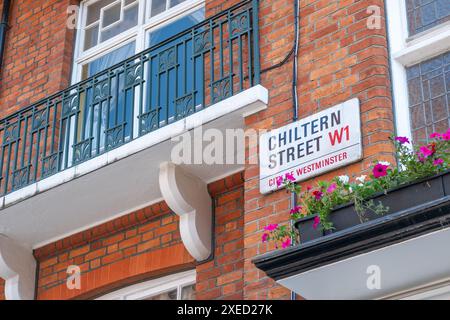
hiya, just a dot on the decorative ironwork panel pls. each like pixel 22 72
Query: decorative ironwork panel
pixel 133 75
pixel 149 121
pixel 101 91
pixel 167 59
pixel 20 178
pixel 185 106
pixel 11 133
pixel 115 136
pixel 70 105
pixel 240 24
pixel 40 119
pixel 202 42
pixel 82 151
pixel 222 89
pixel 50 165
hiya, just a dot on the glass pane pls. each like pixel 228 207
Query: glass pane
pixel 429 96
pixel 425 14
pixel 91 37
pixel 108 60
pixel 111 15
pixel 170 295
pixel 179 25
pixel 173 3
pixel 158 6
pixel 130 18
pixel 188 293
pixel 175 87
pixel 93 11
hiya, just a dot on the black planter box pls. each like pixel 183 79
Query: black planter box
pixel 397 199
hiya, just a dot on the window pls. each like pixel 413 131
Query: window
pixel 425 14
pixel 429 96
pixel 419 32
pixel 180 286
pixel 110 31
pixel 113 30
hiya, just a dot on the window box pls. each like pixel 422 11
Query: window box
pixel 398 199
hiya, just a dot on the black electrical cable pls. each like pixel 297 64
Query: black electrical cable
pixel 4 27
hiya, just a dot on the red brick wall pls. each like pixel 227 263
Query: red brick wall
pixel 222 278
pixel 339 59
pixel 2 289
pixel 142 245
pixel 38 53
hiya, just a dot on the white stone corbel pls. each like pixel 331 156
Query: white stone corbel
pixel 18 269
pixel 188 197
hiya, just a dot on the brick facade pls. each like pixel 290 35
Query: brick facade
pixel 38 53
pixel 339 59
pixel 142 245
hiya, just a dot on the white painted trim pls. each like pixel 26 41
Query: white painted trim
pixel 18 269
pixel 188 197
pixel 154 287
pixel 405 52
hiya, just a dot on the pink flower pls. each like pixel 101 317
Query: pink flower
pixel 402 140
pixel 308 188
pixel 446 136
pixel 286 243
pixel 435 135
pixel 317 194
pixel 380 170
pixel 290 177
pixel 332 187
pixel 296 209
pixel 279 181
pixel 316 222
pixel 271 227
pixel 438 162
pixel 426 152
pixel 265 236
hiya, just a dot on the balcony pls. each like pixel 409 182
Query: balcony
pixel 93 151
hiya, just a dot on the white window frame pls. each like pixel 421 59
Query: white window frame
pixel 432 291
pixel 407 51
pixel 154 287
pixel 139 34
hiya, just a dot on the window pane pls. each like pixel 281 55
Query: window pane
pixel 170 295
pixel 158 6
pixel 111 15
pixel 93 11
pixel 429 96
pixel 177 26
pixel 188 293
pixel 108 60
pixel 425 14
pixel 91 37
pixel 130 18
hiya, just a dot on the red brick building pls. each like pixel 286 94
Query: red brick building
pixel 92 94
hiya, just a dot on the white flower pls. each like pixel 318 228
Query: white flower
pixel 385 163
pixel 361 185
pixel 350 190
pixel 361 179
pixel 344 179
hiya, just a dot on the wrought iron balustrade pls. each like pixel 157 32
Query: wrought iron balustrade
pixel 198 67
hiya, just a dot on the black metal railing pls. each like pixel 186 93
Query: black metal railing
pixel 198 67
